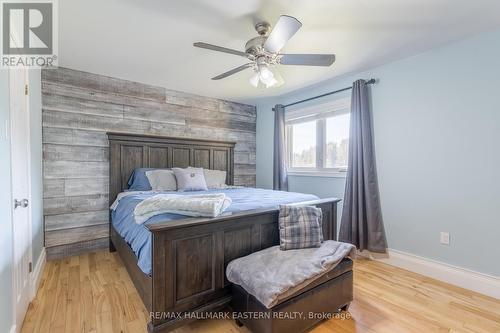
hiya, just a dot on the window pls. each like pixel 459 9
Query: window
pixel 318 138
pixel 337 141
pixel 303 136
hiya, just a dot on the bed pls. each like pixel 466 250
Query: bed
pixel 179 264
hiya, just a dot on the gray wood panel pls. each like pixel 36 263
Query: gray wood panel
pixel 82 106
pixel 61 119
pixel 221 160
pixel 200 102
pixel 135 156
pixel 74 249
pixel 82 186
pixel 245 179
pixel 158 115
pixel 75 220
pixel 244 158
pixel 61 188
pixel 72 204
pixel 75 235
pixel 71 137
pixel 180 157
pixel 66 76
pixel 129 102
pixel 195 261
pixel 159 157
pixel 79 108
pixel 74 169
pixel 229 124
pixel 201 158
pixel 74 153
pixel 53 188
pixel 245 168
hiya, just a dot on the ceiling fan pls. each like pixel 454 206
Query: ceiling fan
pixel 264 54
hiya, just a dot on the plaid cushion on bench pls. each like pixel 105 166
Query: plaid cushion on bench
pixel 300 227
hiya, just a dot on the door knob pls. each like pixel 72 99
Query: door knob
pixel 21 203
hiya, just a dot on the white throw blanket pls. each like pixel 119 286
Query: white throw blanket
pixel 126 194
pixel 206 205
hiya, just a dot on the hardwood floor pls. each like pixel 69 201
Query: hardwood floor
pixel 93 293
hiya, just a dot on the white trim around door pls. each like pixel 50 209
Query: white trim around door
pixel 37 273
pixel 20 179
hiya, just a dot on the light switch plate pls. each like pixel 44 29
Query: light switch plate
pixel 445 238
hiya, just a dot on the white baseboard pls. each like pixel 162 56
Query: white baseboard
pixel 482 283
pixel 37 273
pixel 13 329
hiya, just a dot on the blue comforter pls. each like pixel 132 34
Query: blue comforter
pixel 139 237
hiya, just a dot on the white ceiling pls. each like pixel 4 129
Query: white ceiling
pixel 151 41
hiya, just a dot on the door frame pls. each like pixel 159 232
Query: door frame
pixel 29 197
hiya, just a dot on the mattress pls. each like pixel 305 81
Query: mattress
pixel 138 237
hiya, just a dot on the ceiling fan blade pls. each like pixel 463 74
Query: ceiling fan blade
pixel 233 71
pixel 219 48
pixel 307 59
pixel 284 29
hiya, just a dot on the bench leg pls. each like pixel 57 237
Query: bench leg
pixel 345 307
pixel 238 323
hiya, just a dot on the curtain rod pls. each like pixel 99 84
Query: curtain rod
pixel 371 81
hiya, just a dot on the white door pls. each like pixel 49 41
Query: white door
pixel 20 134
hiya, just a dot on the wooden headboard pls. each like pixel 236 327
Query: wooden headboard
pixel 130 151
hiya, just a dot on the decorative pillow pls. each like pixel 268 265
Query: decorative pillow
pixel 138 180
pixel 162 180
pixel 300 227
pixel 215 178
pixel 190 179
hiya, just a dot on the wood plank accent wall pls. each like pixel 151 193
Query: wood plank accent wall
pixel 79 108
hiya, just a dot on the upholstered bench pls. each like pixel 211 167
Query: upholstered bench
pixel 296 309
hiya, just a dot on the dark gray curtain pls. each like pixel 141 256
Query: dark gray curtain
pixel 361 222
pixel 280 179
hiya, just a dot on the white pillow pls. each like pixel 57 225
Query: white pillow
pixel 162 180
pixel 190 179
pixel 215 179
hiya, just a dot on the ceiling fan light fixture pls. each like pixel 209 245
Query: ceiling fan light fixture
pixel 271 82
pixel 254 80
pixel 268 81
pixel 266 76
pixel 265 73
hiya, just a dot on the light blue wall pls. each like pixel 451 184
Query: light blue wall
pixel 5 211
pixel 437 135
pixel 35 106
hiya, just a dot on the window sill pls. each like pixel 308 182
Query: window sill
pixel 329 174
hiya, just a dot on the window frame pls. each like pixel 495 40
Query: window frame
pixel 318 113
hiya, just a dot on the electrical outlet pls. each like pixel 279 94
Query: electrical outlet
pixel 445 238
